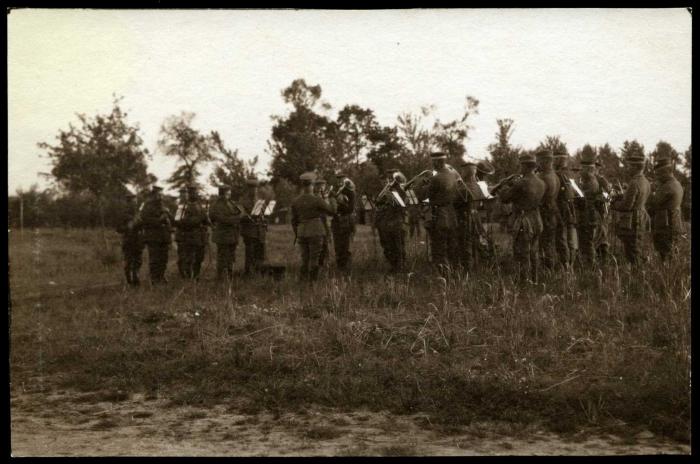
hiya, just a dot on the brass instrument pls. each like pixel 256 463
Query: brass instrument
pixel 506 181
pixel 407 185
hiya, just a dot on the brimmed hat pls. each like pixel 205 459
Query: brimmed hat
pixel 156 189
pixel 436 155
pixel 560 154
pixel 526 158
pixel 588 158
pixel 467 160
pixel 663 162
pixel 635 158
pixel 252 181
pixel 485 167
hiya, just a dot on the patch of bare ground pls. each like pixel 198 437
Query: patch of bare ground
pixel 132 427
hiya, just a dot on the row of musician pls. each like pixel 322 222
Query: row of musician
pixel 552 219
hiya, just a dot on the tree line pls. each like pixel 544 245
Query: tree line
pixel 98 159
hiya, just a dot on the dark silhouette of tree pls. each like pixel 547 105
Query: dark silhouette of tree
pixel 231 170
pixel 504 156
pixel 101 156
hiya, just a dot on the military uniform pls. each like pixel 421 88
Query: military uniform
pixel 155 220
pixel 525 223
pixel 566 238
pixel 470 231
pixel 319 185
pixel 590 209
pixel 343 223
pixel 632 218
pixel 391 224
pixel 253 230
pixel 603 240
pixel 132 242
pixel 180 250
pixel 191 226
pixel 442 193
pixel 307 209
pixel 665 208
pixel 225 216
pixel 548 208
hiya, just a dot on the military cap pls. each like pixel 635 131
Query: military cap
pixel 485 167
pixel 662 162
pixel 467 160
pixel 635 158
pixel 544 153
pixel 526 158
pixel 576 168
pixel 224 188
pixel 252 181
pixel 588 158
pixel 561 154
pixel 436 155
pixel 308 178
pixel 156 189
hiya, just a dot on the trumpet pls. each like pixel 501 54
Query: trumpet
pixel 506 181
pixel 407 185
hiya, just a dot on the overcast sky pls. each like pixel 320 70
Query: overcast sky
pixel 590 76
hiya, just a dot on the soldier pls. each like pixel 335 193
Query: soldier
pixel 469 227
pixel 191 227
pixel 132 240
pixel 590 209
pixel 343 223
pixel 442 192
pixel 548 208
pixel 665 207
pixel 633 220
pixel 603 242
pixel 156 222
pixel 390 220
pixel 320 190
pixel 566 238
pixel 307 209
pixel 253 229
pixel 181 205
pixel 225 216
pixel 525 193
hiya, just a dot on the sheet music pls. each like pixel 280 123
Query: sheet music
pixel 398 198
pixel 270 207
pixel 578 191
pixel 484 188
pixel 180 213
pixel 258 208
pixel 411 196
pixel 366 203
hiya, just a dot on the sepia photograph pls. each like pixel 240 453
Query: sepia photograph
pixel 309 232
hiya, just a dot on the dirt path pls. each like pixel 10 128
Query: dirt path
pixel 114 424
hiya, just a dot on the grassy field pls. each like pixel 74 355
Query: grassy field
pixel 606 350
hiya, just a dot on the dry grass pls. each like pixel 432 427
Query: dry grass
pixel 582 351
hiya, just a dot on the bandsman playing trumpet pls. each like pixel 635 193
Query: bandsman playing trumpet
pixel 469 227
pixel 343 223
pixel 390 220
pixel 566 238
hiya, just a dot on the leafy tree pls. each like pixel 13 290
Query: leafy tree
pixel 191 148
pixel 449 137
pixel 100 156
pixel 356 125
pixel 386 147
pixel 416 141
pixel 504 156
pixel 611 165
pixel 304 140
pixel 554 144
pixel 232 170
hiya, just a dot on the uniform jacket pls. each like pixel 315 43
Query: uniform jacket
pixel 632 215
pixel 665 206
pixel 252 227
pixel 346 199
pixel 442 193
pixel 389 215
pixel 307 209
pixel 129 228
pixel 590 211
pixel 565 199
pixel 155 219
pixel 226 218
pixel 526 196
pixel 468 215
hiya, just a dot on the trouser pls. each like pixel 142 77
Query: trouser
pixel 310 248
pixel 342 236
pixel 548 240
pixel 157 260
pixel 132 263
pixel 414 227
pixel 190 257
pixel 254 254
pixel 664 241
pixel 631 244
pixel 588 235
pixel 325 251
pixel 467 243
pixel 566 240
pixel 526 251
pixel 225 257
pixel 442 246
pixel 393 242
pixel 603 242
